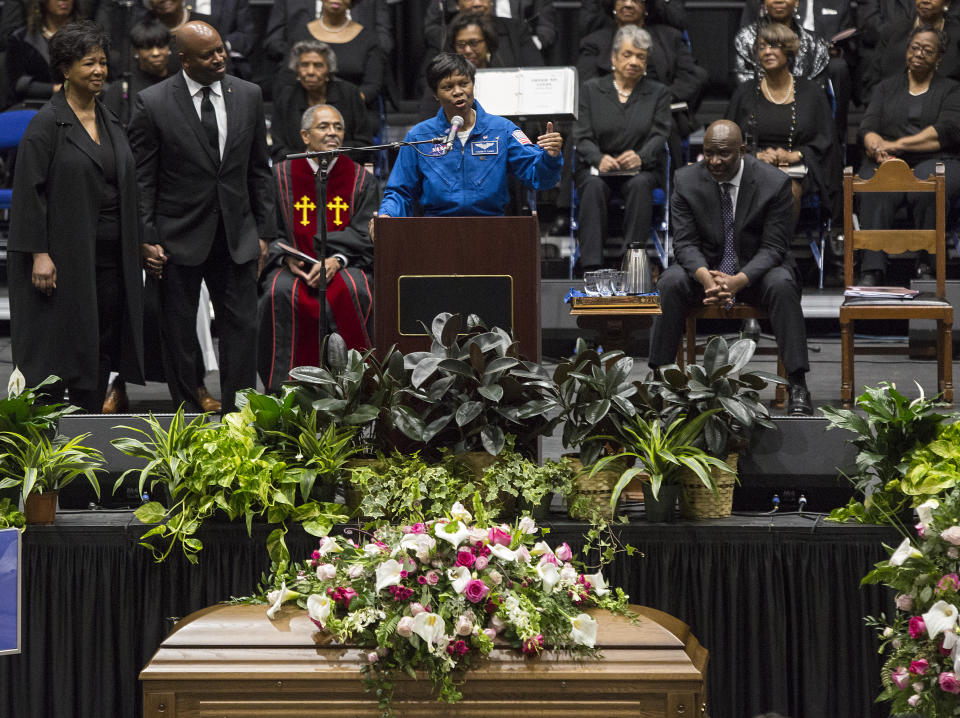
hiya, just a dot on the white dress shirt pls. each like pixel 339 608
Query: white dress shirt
pixel 216 99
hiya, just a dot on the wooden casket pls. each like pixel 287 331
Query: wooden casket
pixel 233 662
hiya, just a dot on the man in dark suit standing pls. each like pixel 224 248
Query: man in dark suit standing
pixel 732 223
pixel 206 203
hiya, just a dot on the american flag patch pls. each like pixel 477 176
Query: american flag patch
pixel 521 138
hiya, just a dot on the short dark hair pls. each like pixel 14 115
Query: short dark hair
pixel 941 38
pixel 446 64
pixel 73 42
pixel 149 33
pixel 466 19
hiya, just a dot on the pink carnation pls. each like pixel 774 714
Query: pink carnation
pixel 481 563
pixel 432 577
pixel 949 683
pixel 917 627
pixel 476 590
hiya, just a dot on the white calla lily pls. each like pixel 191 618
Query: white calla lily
pixel 329 545
pixel 388 574
pixel 941 618
pixel 502 552
pixel 599 585
pixel 549 575
pixel 318 607
pixel 17 383
pixel 584 630
pixel 459 577
pixel 904 551
pixel 540 548
pixel 454 532
pixel 459 513
pixel 925 511
pixel 430 627
pixel 422 545
pixel 279 598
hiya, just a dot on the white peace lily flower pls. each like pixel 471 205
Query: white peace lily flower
pixel 502 552
pixel 584 630
pixel 318 607
pixel 422 544
pixel 430 627
pixel 540 548
pixel 17 383
pixel 549 575
pixel 459 513
pixel 925 511
pixel 599 585
pixel 279 598
pixel 527 525
pixel 388 574
pixel 941 618
pixel 329 545
pixel 904 551
pixel 454 533
pixel 459 577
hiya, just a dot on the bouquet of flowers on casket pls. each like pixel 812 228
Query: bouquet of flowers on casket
pixel 922 672
pixel 433 597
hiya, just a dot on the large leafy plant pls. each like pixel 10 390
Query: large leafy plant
pixel 37 463
pixel 721 385
pixel 471 389
pixel 889 429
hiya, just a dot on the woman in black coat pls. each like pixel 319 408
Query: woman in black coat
pixel 786 120
pixel 914 116
pixel 74 246
pixel 28 56
pixel 623 123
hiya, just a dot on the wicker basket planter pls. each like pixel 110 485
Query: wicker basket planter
pixel 592 493
pixel 699 502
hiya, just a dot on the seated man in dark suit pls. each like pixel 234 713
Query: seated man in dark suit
pixel 732 223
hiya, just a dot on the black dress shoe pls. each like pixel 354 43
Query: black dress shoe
pixel 924 271
pixel 870 278
pixel 750 329
pixel 799 403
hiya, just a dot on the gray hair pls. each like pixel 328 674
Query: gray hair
pixel 301 48
pixel 633 34
pixel 306 122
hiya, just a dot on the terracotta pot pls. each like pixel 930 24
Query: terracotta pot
pixel 41 509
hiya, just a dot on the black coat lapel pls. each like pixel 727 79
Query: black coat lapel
pixel 745 195
pixel 230 105
pixel 75 134
pixel 181 96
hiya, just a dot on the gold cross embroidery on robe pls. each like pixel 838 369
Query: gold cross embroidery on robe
pixel 337 205
pixel 304 204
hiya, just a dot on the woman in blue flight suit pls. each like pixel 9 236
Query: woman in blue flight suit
pixel 470 179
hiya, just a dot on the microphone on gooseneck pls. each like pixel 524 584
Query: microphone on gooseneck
pixel 455 124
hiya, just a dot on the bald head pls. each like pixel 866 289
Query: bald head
pixel 722 150
pixel 202 54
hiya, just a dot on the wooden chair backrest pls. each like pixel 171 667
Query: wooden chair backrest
pixel 895 175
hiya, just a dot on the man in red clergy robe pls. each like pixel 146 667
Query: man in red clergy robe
pixel 289 306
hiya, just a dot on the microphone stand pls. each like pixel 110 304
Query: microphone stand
pixel 126 15
pixel 324 158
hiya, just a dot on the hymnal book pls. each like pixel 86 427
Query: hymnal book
pixel 881 292
pixel 294 252
pixel 551 92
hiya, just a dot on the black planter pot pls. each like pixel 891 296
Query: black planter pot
pixel 663 508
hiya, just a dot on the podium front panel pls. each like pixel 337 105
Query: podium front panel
pixel 488 266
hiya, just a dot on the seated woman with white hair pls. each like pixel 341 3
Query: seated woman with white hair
pixel 620 134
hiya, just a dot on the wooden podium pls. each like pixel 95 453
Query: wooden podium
pixel 488 266
pixel 234 661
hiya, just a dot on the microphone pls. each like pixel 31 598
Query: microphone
pixel 455 124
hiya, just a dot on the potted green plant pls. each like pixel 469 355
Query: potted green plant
pixel 10 517
pixel 662 453
pixel 472 389
pixel 41 466
pixel 724 387
pixel 890 427
pixel 531 484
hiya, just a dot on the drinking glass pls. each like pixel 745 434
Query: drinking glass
pixel 605 282
pixel 591 282
pixel 619 283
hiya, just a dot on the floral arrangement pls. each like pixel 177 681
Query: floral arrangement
pixel 434 596
pixel 922 670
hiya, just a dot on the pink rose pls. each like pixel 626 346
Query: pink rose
pixel 900 677
pixel 533 645
pixel 465 558
pixel 372 657
pixel 476 591
pixel 913 700
pixel 405 627
pixel 499 536
pixel 917 687
pixel 950 582
pixel 463 626
pixel 326 571
pixel 548 558
pixel 495 577
pixel 951 535
pixel 563 552
pixel 416 609
pixel 904 602
pixel 432 577
pixel 481 563
pixel 917 627
pixel 355 571
pixel 919 667
pixel 949 683
pixel 497 624
pixel 418 529
pixel 489 633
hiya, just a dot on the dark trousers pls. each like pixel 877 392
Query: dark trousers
pixel 877 210
pixel 778 291
pixel 233 290
pixel 595 194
